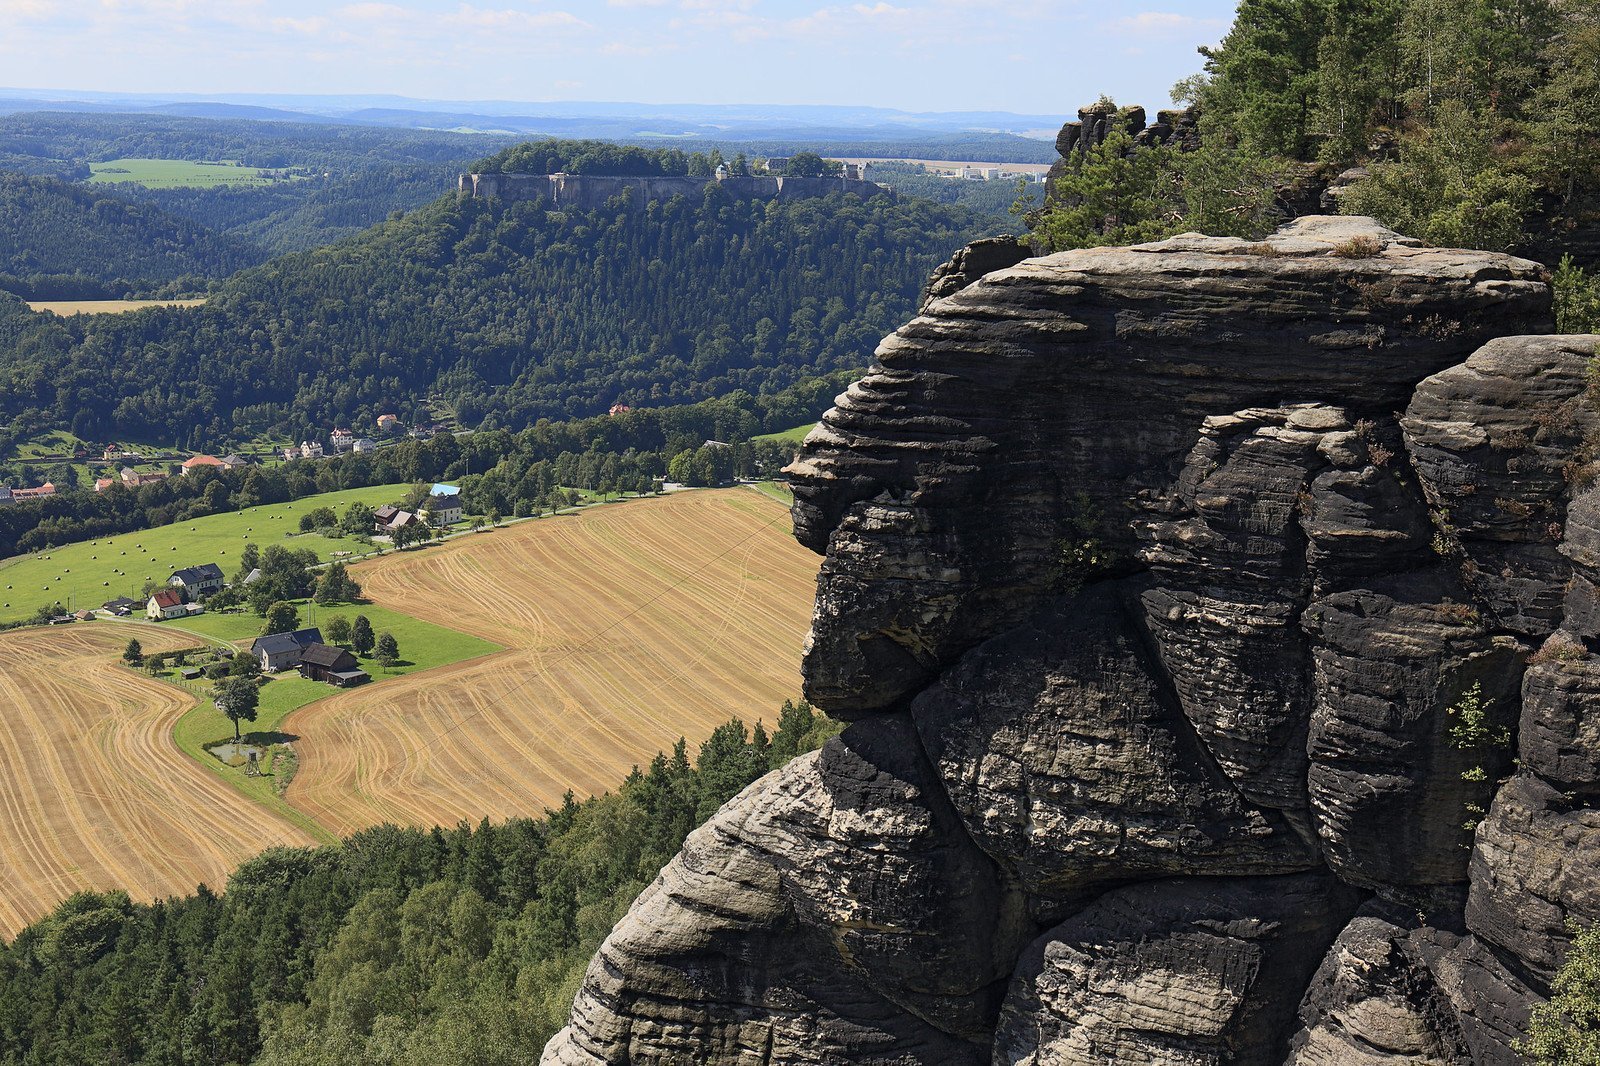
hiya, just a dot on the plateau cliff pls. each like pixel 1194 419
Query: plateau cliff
pixel 1217 622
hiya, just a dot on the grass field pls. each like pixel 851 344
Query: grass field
pixel 789 436
pixel 90 572
pixel 627 626
pixel 177 173
pixel 105 307
pixel 92 792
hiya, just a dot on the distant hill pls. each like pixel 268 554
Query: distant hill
pixel 504 315
pixel 59 240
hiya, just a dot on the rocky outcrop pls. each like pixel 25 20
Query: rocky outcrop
pixel 1193 972
pixel 1192 604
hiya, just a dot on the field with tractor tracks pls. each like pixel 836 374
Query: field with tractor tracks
pixel 627 626
pixel 93 793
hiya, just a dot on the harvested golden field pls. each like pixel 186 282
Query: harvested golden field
pixel 93 793
pixel 628 626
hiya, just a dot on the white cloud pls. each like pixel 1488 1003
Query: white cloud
pixel 1165 21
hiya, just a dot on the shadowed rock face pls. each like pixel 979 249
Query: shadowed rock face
pixel 1192 603
pixel 1043 401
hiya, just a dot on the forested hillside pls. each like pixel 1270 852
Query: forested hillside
pixel 350 177
pixel 1466 123
pixel 505 314
pixel 399 946
pixel 63 241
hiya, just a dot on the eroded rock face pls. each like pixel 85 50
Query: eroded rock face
pixel 834 912
pixel 1193 603
pixel 1193 972
pixel 1376 999
pixel 1040 402
pixel 1068 762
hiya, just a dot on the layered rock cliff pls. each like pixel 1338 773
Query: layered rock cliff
pixel 1216 624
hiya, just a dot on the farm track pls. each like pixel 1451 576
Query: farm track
pixel 627 626
pixel 93 793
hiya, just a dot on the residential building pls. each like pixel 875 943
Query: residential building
pixel 197 582
pixel 388 422
pixel 319 662
pixel 291 453
pixel 195 462
pixel 103 483
pixel 166 603
pixel 619 409
pixel 234 462
pixel 47 489
pixel 310 449
pixel 362 445
pixel 444 505
pixel 122 606
pixel 382 516
pixel 341 439
pixel 133 479
pixel 282 651
pixel 5 495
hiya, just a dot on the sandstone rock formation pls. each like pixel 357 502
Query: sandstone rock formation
pixel 1193 604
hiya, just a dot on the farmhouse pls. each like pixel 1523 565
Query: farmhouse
pixel 47 489
pixel 197 581
pixel 133 479
pixel 122 606
pixel 167 603
pixel 319 662
pixel 443 510
pixel 195 462
pixel 282 651
pixel 382 516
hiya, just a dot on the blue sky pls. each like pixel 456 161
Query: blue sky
pixel 1030 56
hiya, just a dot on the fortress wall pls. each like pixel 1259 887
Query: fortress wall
pixel 588 192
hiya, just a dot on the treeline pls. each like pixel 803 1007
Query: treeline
pixel 1470 117
pixel 503 314
pixel 297 216
pixel 61 241
pixel 399 946
pixel 498 470
pixel 49 137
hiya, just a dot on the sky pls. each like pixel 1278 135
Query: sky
pixel 1028 56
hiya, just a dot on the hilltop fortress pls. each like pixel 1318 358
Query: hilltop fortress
pixel 591 191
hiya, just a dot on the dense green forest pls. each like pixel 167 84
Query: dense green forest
pixel 398 947
pixel 63 241
pixel 505 314
pixel 1473 121
pixel 351 177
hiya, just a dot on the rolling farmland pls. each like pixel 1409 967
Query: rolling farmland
pixel 627 626
pixel 93 793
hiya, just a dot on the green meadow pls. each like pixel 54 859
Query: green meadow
pixel 88 573
pixel 177 173
pixel 789 436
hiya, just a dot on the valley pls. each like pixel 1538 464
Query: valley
pixel 541 657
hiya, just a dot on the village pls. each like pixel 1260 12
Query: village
pixel 193 590
pixel 134 466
